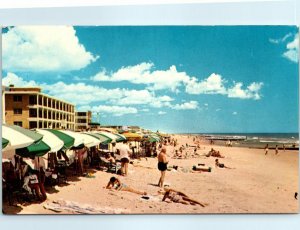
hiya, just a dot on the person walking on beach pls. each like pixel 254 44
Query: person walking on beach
pixel 124 155
pixel 266 149
pixel 276 150
pixel 162 165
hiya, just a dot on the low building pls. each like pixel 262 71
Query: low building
pixel 29 108
pixel 82 120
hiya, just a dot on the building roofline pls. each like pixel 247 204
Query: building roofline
pixel 34 92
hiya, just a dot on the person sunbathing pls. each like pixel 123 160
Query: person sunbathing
pixel 115 183
pixel 220 165
pixel 179 197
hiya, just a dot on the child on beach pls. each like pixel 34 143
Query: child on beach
pixel 115 183
pixel 179 197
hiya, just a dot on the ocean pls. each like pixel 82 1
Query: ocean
pixel 255 140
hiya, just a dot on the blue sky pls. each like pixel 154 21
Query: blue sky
pixel 170 78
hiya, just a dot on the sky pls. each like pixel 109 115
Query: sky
pixel 176 79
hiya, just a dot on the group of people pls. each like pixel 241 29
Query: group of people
pixel 214 153
pixel 170 195
pixel 276 149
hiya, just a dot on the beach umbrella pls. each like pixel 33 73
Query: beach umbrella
pixel 51 140
pixel 78 139
pixel 103 139
pixel 120 137
pixel 4 143
pixel 18 137
pixel 89 141
pixel 67 139
pixel 133 136
pixel 109 135
pixel 34 150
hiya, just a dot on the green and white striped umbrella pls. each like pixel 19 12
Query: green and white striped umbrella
pixel 120 137
pixel 89 141
pixel 103 139
pixel 18 137
pixel 4 143
pixel 67 139
pixel 51 140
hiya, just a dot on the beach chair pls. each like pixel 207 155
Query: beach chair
pixel 60 169
pixel 111 167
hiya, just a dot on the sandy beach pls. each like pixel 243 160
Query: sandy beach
pixel 259 184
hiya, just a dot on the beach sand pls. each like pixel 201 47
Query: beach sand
pixel 259 184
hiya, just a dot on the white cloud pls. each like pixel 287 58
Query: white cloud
pixel 83 94
pixel 292 48
pixel 280 40
pixel 251 92
pixel 108 109
pixel 141 97
pixel 144 110
pixel 164 79
pixel 13 79
pixel 44 48
pixel 217 110
pixel 186 105
pixel 144 74
pixel 206 104
pixel 292 52
pixel 214 84
pixel 161 112
pixel 234 113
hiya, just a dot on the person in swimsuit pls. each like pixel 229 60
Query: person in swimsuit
pixel 179 197
pixel 266 149
pixel 220 165
pixel 115 183
pixel 276 150
pixel 162 165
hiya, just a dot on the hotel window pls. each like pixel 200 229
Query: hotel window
pixel 32 100
pixel 18 111
pixel 17 98
pixel 18 123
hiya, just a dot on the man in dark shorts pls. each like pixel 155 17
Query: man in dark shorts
pixel 162 165
pixel 124 155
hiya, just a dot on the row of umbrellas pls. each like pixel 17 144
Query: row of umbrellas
pixel 29 143
pixel 37 143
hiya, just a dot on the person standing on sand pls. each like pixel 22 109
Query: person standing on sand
pixel 276 150
pixel 266 149
pixel 124 155
pixel 162 165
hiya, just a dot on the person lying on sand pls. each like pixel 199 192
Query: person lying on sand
pixel 220 165
pixel 115 183
pixel 179 197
